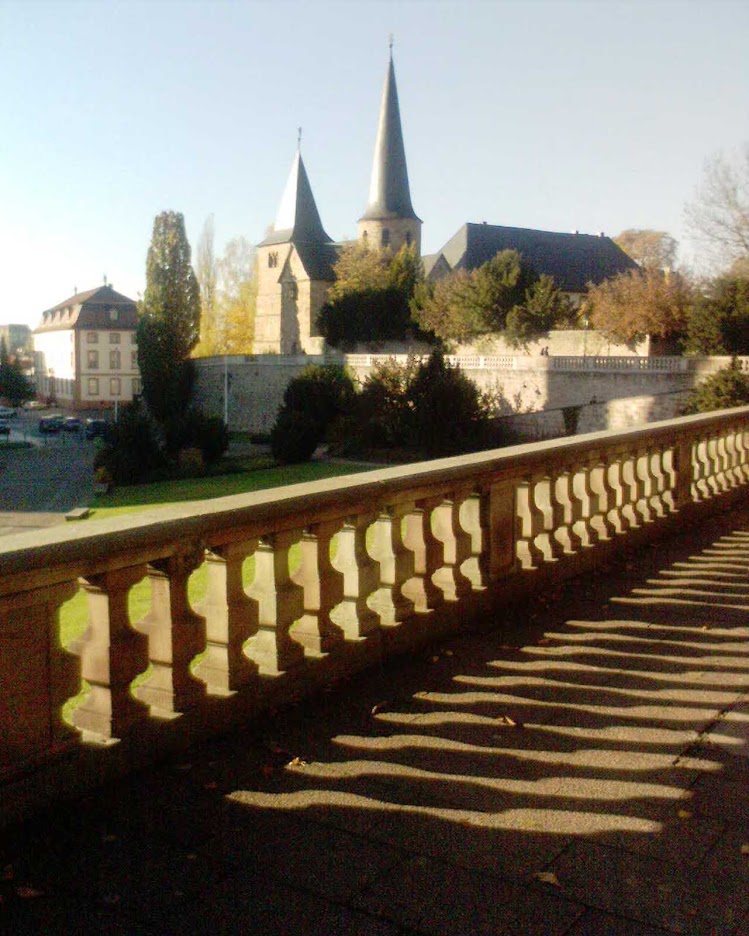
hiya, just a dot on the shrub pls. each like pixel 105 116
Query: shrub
pixel 295 436
pixel 208 434
pixel 722 390
pixel 131 452
pixel 322 392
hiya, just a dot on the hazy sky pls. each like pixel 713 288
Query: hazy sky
pixel 596 116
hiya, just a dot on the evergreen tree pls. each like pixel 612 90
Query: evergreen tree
pixel 169 326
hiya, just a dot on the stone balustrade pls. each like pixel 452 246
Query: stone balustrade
pixel 309 583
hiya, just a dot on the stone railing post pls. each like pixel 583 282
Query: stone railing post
pixel 37 676
pixel 231 618
pixel 396 564
pixel 685 485
pixel 322 587
pixel 360 578
pixel 428 553
pixel 176 635
pixel 502 525
pixel 112 655
pixel 280 604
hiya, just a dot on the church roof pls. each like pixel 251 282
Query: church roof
pixel 91 309
pixel 298 220
pixel 574 260
pixel 389 193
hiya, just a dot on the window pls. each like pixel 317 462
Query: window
pixel 134 360
pixel 93 386
pixel 114 337
pixel 273 259
pixel 114 387
pixel 115 359
pixel 385 237
pixel 408 238
pixel 93 360
pixel 136 386
pixel 92 337
pixel 114 314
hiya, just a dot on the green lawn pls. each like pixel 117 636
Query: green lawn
pixel 146 496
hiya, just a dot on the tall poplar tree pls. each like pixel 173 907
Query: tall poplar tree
pixel 169 325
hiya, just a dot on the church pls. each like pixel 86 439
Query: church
pixel 296 259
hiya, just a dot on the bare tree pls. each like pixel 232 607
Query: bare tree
pixel 651 249
pixel 718 216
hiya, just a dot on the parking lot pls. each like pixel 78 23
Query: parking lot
pixel 40 483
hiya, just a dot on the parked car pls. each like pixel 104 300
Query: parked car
pixel 7 413
pixel 34 405
pixel 50 424
pixel 72 424
pixel 96 428
pixel 4 427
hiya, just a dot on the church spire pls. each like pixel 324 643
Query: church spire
pixel 389 193
pixel 298 220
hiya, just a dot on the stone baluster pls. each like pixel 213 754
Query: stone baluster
pixel 322 588
pixel 668 470
pixel 37 676
pixel 658 482
pixel 396 564
pixel 701 464
pixel 531 521
pixel 456 548
pixel 733 470
pixel 631 492
pixel 230 618
pixel 714 476
pixel 742 455
pixel 280 603
pixel 176 635
pixel 360 579
pixel 618 492
pixel 112 655
pixel 601 500
pixel 725 469
pixel 473 519
pixel 644 486
pixel 569 512
pixel 583 494
pixel 428 555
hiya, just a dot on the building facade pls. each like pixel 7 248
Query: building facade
pixel 296 259
pixel 86 350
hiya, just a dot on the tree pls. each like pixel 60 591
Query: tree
pixel 719 321
pixel 370 299
pixel 237 299
pixel 544 307
pixel 172 292
pixel 207 276
pixel 718 216
pixel 169 324
pixel 15 387
pixel 724 389
pixel 655 249
pixel 631 305
pixel 503 295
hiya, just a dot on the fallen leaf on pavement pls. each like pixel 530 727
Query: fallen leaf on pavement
pixel 684 814
pixel 297 762
pixel 547 877
pixel 745 849
pixel 26 893
pixel 509 722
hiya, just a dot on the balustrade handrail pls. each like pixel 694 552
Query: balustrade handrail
pixel 387 559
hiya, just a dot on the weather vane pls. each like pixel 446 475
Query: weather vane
pixel 391 42
pixel 299 138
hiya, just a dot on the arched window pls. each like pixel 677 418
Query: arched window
pixel 385 237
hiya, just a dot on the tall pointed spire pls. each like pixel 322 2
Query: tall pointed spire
pixel 298 220
pixel 389 193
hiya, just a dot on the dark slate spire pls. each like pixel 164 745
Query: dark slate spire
pixel 389 194
pixel 298 220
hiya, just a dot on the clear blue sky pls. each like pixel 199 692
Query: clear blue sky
pixel 595 116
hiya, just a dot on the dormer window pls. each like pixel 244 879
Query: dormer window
pixel 385 239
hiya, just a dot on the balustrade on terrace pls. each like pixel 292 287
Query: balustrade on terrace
pixel 304 584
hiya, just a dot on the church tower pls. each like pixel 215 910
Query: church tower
pixel 390 221
pixel 295 270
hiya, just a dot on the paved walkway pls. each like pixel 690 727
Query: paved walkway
pixel 584 770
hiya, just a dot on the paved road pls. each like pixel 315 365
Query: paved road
pixel 40 484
